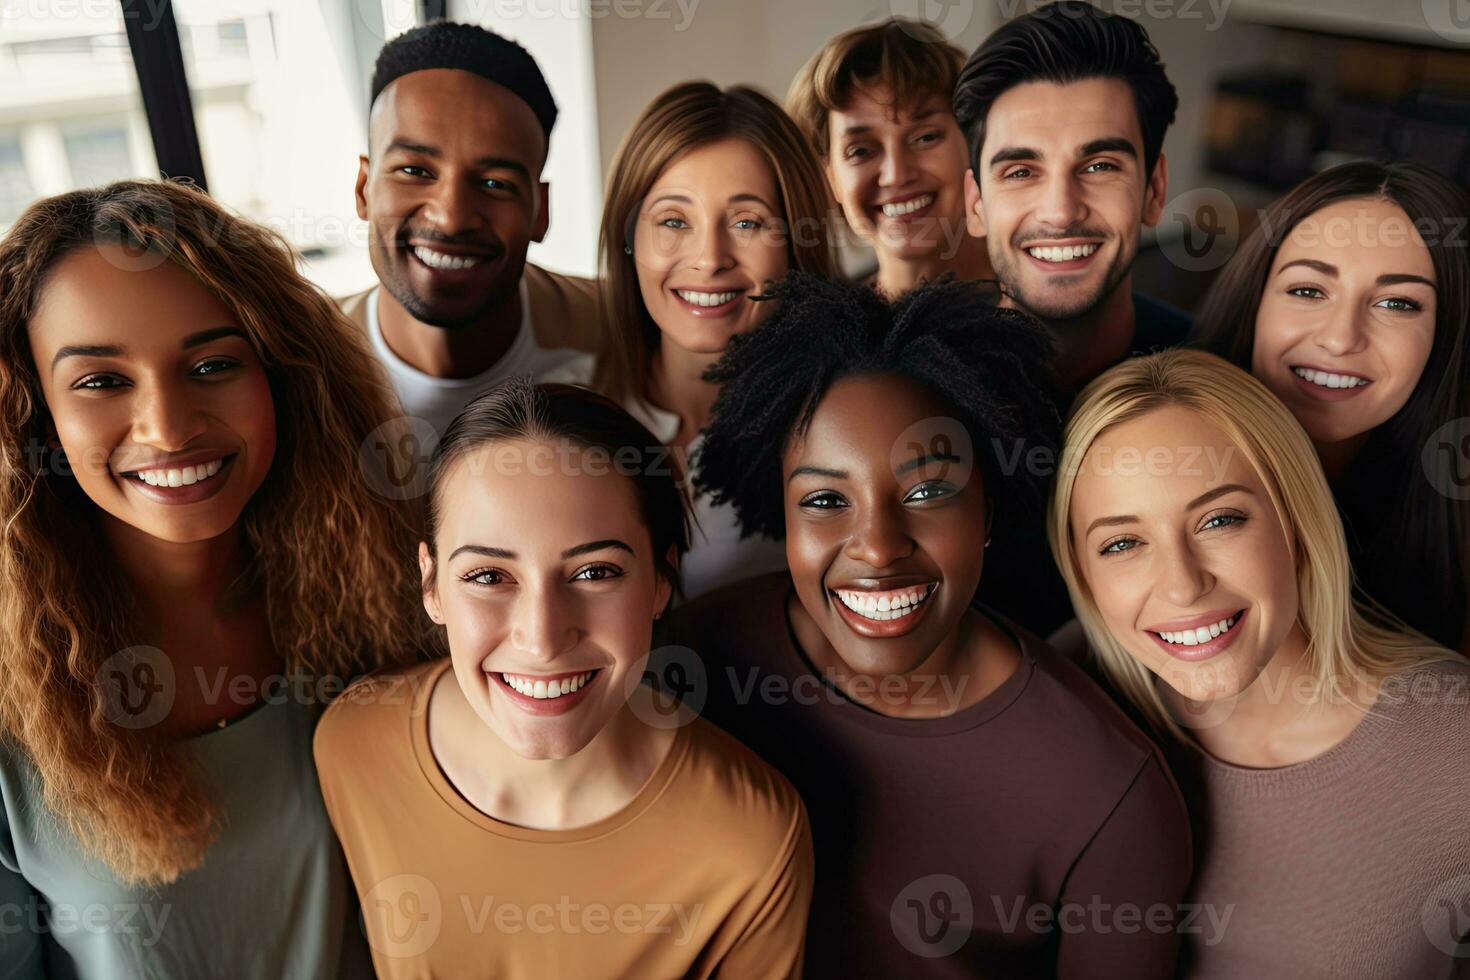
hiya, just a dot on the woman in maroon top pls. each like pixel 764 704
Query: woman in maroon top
pixel 979 807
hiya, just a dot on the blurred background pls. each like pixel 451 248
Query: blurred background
pixel 265 101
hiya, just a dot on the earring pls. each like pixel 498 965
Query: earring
pixel 987 542
pixel 627 249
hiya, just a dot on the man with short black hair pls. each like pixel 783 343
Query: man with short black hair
pixel 451 187
pixel 1065 112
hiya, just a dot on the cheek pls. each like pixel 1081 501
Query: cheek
pixel 1406 353
pixel 809 550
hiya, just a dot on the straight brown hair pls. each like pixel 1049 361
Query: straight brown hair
pixel 684 118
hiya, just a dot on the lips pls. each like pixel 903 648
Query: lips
pixel 179 482
pixel 449 259
pixel 881 612
pixel 907 207
pixel 706 302
pixel 531 693
pixel 1200 637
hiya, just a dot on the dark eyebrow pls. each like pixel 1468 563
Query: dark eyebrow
pixel 1110 144
pixel 215 333
pixel 1326 268
pixel 591 546
pixel 918 461
pixel 1396 278
pixel 484 163
pixel 85 350
pixel 114 350
pixel 1199 501
pixel 1014 154
pixel 817 471
pixel 419 148
pixel 480 549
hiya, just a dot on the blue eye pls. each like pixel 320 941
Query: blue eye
pixel 1118 545
pixel 1222 520
pixel 747 224
pixel 673 223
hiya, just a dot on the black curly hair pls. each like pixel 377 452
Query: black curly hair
pixel 990 365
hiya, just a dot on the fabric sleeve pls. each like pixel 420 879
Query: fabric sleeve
pixel 774 940
pixel 22 956
pixel 1119 908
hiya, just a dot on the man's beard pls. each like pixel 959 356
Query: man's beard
pixel 1046 305
pixel 395 278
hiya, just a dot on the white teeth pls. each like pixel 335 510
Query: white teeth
pixel 439 260
pixel 885 606
pixel 1325 379
pixel 1202 634
pixel 705 299
pixel 542 689
pixel 180 477
pixel 908 207
pixel 1064 253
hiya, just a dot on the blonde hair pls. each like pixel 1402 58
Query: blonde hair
pixel 1348 641
pixel 685 118
pixel 332 559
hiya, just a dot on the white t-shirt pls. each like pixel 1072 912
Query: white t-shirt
pixel 717 554
pixel 439 400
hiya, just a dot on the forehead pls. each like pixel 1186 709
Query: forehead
pixel 1155 464
pixel 1373 233
pixel 718 171
pixel 537 497
pixel 864 422
pixel 457 111
pixel 873 106
pixel 105 288
pixel 1060 118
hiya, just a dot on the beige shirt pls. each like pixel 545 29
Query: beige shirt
pixel 707 872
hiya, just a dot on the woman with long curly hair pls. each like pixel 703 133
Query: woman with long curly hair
pixel 191 559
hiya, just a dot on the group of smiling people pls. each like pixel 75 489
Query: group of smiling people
pixel 725 616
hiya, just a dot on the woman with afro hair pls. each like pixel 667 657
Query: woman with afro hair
pixel 969 790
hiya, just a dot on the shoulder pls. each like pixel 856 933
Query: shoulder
pixel 566 311
pixel 742 803
pixel 354 307
pixel 1429 705
pixel 1088 733
pixel 372 716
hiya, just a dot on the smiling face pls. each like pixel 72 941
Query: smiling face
pixel 885 536
pixel 1180 546
pixel 1062 193
pixel 453 194
pixel 159 401
pixel 1346 321
pixel 710 235
pixel 544 577
pixel 899 175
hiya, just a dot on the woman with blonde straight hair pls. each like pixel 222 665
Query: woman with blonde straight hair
pixel 192 558
pixel 714 196
pixel 1318 745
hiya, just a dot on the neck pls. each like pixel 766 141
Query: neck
pixel 457 352
pixel 1280 719
pixel 1093 342
pixel 676 383
pixel 1336 457
pixel 548 794
pixel 173 582
pixel 898 275
pixel 974 660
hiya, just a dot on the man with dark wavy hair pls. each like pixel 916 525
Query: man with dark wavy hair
pixel 1065 112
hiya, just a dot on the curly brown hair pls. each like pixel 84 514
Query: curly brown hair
pixel 332 558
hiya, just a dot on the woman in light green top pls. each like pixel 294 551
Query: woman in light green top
pixel 184 524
